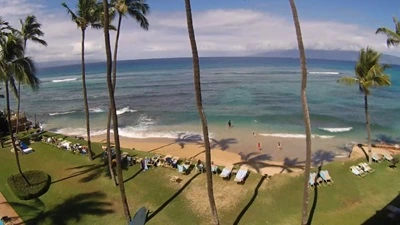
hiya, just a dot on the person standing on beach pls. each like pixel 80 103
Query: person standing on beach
pixel 229 123
pixel 279 145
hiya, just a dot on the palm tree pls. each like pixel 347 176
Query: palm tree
pixel 87 15
pixel 197 87
pixel 137 9
pixel 14 64
pixel 307 123
pixel 30 30
pixel 114 111
pixel 368 73
pixel 393 37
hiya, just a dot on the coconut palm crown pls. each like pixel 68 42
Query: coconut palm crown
pixel 393 37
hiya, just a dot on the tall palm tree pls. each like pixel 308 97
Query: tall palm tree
pixel 137 9
pixel 368 73
pixel 87 14
pixel 114 111
pixel 393 37
pixel 30 30
pixel 14 64
pixel 197 87
pixel 307 123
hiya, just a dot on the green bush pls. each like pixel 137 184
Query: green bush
pixel 37 185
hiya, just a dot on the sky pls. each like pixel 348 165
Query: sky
pixel 222 28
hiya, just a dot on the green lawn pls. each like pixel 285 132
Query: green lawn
pixel 81 193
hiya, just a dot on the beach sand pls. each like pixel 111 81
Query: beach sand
pixel 243 150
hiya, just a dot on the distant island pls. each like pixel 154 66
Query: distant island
pixel 325 54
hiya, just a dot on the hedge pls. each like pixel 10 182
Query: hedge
pixel 38 184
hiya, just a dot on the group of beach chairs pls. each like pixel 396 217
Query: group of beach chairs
pixel 323 178
pixel 240 174
pixel 378 158
pixel 60 143
pixel 362 169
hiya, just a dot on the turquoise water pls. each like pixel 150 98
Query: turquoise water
pixel 155 98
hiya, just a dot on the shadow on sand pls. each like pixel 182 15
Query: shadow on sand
pixel 258 161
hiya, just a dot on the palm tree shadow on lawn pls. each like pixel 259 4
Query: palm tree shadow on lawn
pixel 74 209
pixel 159 209
pixel 244 210
pixel 91 172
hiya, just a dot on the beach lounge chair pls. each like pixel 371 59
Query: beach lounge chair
pixel 182 169
pixel 388 157
pixel 365 167
pixel 314 180
pixel 226 172
pixel 241 175
pixel 25 149
pixel 324 174
pixel 357 171
pixel 378 158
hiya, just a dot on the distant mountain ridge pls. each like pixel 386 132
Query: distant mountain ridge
pixel 326 54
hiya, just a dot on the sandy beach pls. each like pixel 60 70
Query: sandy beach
pixel 269 159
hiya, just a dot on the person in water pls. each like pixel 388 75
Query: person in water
pixel 229 123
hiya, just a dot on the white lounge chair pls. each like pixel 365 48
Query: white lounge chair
pixel 388 157
pixel 324 174
pixel 378 158
pixel 357 171
pixel 226 172
pixel 241 175
pixel 182 169
pixel 365 167
pixel 314 181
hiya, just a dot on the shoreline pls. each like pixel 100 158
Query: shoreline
pixel 268 161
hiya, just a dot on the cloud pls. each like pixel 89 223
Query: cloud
pixel 239 32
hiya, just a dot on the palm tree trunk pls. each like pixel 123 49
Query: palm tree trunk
pixel 197 86
pixel 114 113
pixel 368 129
pixel 19 95
pixel 307 123
pixel 114 80
pixel 18 104
pixel 109 156
pixel 11 131
pixel 85 97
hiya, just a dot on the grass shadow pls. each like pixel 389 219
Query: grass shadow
pixel 73 209
pixel 93 171
pixel 244 210
pixel 315 199
pixel 159 209
pixel 134 175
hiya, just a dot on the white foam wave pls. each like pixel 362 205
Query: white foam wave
pixel 336 130
pixel 136 132
pixel 64 80
pixel 287 135
pixel 96 110
pixel 78 131
pixel 61 113
pixel 125 110
pixel 324 73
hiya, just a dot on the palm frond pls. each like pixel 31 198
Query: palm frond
pixel 348 80
pixel 393 38
pixel 74 18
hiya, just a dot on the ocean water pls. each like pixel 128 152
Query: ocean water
pixel 155 98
